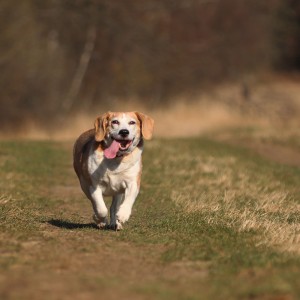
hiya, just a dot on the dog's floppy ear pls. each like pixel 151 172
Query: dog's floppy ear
pixel 100 127
pixel 147 124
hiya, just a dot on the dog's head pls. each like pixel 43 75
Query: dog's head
pixel 122 132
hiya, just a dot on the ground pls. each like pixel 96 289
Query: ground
pixel 218 217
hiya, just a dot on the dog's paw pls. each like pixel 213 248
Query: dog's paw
pixel 100 222
pixel 116 227
pixel 123 214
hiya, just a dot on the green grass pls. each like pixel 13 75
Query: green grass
pixel 211 222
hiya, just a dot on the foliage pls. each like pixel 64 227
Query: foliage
pixel 52 65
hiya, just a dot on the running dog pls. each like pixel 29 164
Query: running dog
pixel 108 162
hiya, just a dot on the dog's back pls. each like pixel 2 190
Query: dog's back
pixel 80 147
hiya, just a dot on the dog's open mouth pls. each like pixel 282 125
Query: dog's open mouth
pixel 124 144
pixel 117 145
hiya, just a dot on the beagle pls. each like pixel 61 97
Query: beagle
pixel 108 162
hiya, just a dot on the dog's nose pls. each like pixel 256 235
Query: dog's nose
pixel 123 132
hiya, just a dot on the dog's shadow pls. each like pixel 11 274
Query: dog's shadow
pixel 71 225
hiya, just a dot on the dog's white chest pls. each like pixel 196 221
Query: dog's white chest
pixel 115 175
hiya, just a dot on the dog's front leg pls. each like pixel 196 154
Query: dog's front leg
pixel 131 193
pixel 114 223
pixel 100 209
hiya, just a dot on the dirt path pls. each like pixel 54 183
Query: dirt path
pixel 71 257
pixel 282 154
pixel 278 153
pixel 79 262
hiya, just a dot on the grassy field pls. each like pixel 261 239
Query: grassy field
pixel 213 221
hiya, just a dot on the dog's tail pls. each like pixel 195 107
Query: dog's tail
pixel 79 148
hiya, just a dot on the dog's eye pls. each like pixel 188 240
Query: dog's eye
pixel 115 122
pixel 131 123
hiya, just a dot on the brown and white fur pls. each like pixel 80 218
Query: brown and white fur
pixel 108 162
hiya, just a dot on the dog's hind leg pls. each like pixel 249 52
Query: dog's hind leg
pixel 100 209
pixel 116 202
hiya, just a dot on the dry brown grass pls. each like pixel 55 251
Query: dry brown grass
pixel 270 103
pixel 229 194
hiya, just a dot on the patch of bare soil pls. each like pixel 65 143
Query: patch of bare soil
pixel 278 153
pixel 282 154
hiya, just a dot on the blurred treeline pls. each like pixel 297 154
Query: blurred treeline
pixel 61 56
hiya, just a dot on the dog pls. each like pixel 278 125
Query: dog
pixel 108 162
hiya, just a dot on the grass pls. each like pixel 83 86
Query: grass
pixel 212 221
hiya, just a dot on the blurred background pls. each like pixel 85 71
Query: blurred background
pixel 192 64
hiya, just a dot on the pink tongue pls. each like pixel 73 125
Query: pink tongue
pixel 112 150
